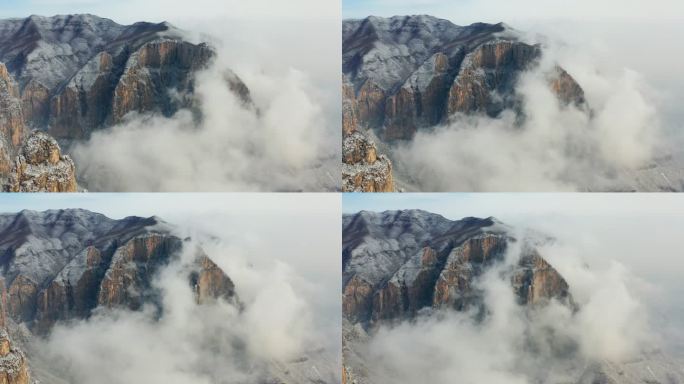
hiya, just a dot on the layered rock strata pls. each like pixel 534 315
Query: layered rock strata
pixel 399 262
pixel 101 263
pixel 410 72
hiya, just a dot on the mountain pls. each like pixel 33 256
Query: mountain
pixel 402 265
pixel 396 263
pixel 73 74
pixel 406 73
pixel 61 265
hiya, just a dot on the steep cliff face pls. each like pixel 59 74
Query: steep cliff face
pixel 397 263
pixel 70 75
pixel 413 72
pixel 78 73
pixel 40 166
pixel 61 265
pixel 363 169
pixel 12 117
pixel 14 367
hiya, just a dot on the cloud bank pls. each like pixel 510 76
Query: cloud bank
pixel 515 344
pixel 289 143
pixel 283 322
pixel 556 147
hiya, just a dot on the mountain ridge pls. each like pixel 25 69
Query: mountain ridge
pixel 62 265
pixel 404 74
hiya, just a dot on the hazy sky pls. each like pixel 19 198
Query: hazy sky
pixel 468 11
pixel 127 11
pixel 512 205
pixel 170 205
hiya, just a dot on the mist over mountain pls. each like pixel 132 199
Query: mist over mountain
pixel 428 298
pixel 115 95
pixel 426 102
pixel 88 298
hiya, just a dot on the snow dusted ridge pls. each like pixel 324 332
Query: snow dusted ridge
pixel 376 245
pixel 50 50
pixel 62 234
pixel 79 73
pixel 394 48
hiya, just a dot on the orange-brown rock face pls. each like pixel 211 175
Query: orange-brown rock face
pixel 537 282
pixel 363 170
pixel 211 283
pixel 11 114
pixel 350 112
pixel 128 278
pixel 493 67
pixel 455 284
pixel 152 71
pixel 13 363
pixel 73 293
pixel 21 298
pixel 398 263
pixel 420 100
pixel 35 99
pixel 357 299
pixel 408 73
pixel 3 304
pixel 566 88
pixel 370 101
pixel 41 167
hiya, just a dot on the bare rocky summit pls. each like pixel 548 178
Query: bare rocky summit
pixel 363 170
pixel 40 166
pixel 407 73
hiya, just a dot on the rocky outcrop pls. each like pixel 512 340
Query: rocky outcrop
pixel 14 367
pixel 211 283
pixel 536 281
pixel 363 170
pixel 13 363
pixel 411 72
pixel 398 263
pixel 41 167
